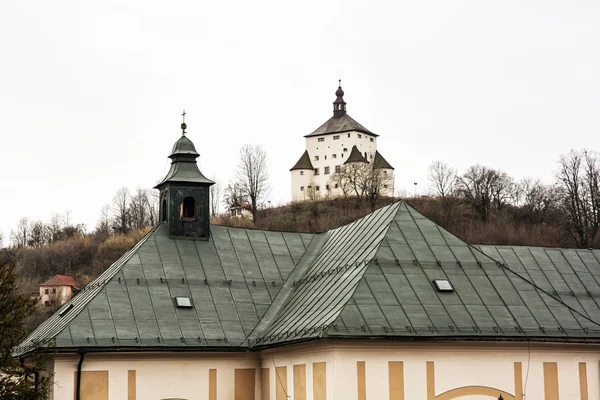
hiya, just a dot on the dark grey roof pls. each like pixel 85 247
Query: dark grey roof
pixel 303 162
pixel 355 156
pixel 369 279
pixel 345 123
pixel 381 163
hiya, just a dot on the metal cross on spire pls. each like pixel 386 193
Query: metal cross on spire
pixel 183 124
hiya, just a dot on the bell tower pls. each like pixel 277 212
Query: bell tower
pixel 184 192
pixel 339 105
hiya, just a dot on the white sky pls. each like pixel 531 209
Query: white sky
pixel 91 92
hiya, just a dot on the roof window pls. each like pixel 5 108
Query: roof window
pixel 183 302
pixel 66 310
pixel 443 285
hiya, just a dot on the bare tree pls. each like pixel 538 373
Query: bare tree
pixel 141 209
pixel 485 189
pixel 364 180
pixel 442 179
pixel 121 210
pixel 233 196
pixel 216 191
pixel 103 226
pixel 536 199
pixel 252 176
pixel 20 235
pixel 374 182
pixel 37 234
pixel 578 180
pixel 339 180
pixel 1 239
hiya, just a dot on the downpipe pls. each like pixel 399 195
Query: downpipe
pixel 78 389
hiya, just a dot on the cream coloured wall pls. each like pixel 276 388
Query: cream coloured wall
pixel 62 295
pixel 455 365
pixel 427 371
pixel 158 375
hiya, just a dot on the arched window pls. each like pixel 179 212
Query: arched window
pixel 164 210
pixel 188 208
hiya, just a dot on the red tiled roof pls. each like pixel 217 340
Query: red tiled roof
pixel 61 280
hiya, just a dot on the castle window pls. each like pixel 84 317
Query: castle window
pixel 385 186
pixel 317 188
pixel 316 158
pixel 164 209
pixel 372 140
pixel 46 291
pixel 336 186
pixel 302 188
pixel 365 154
pixel 337 169
pixel 359 136
pixel 188 208
pixel 310 187
pixel 385 172
pixel 334 156
pixel 321 139
pixel 326 157
pixel 301 172
pixel 316 171
pixel 345 149
pixel 326 170
pixel 53 290
pixel 371 156
pixel 348 135
pixel 336 137
pixel 326 187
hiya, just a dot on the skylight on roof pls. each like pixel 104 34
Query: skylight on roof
pixel 66 310
pixel 183 302
pixel 443 285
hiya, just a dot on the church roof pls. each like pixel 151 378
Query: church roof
pixel 372 278
pixel 345 123
pixel 355 156
pixel 303 162
pixel 380 163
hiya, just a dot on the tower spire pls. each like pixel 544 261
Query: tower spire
pixel 183 124
pixel 339 105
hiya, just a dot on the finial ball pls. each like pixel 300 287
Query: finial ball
pixel 184 126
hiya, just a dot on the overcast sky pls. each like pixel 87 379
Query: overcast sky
pixel 91 92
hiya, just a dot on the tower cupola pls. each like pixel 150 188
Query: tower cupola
pixel 184 192
pixel 339 105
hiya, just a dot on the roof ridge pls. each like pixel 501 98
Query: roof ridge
pixel 78 303
pixel 503 265
pixel 347 258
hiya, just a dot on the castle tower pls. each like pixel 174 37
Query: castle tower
pixel 341 140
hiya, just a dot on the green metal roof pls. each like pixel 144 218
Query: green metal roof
pixel 368 279
pixel 184 168
pixel 345 123
pixel 303 162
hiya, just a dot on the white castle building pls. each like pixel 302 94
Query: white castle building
pixel 340 141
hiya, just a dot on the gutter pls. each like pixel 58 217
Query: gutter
pixel 78 388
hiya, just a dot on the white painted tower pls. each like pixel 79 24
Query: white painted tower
pixel 338 142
